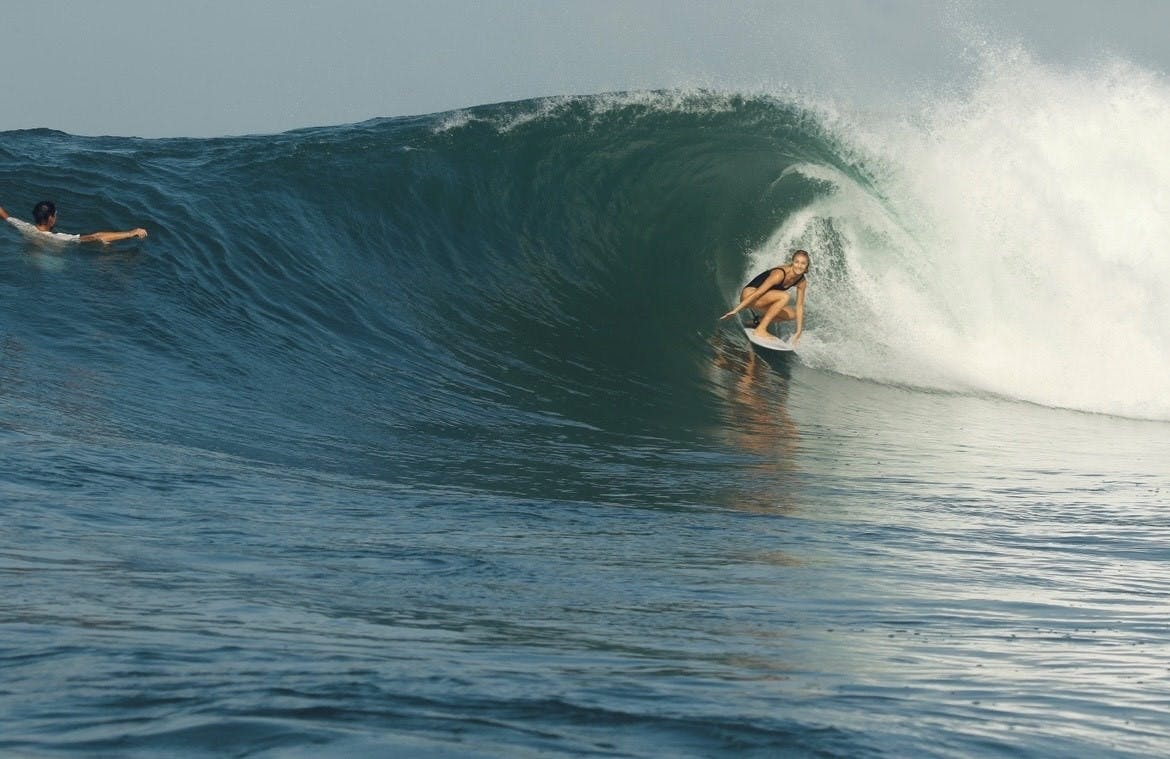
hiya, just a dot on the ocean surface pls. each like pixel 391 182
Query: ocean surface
pixel 422 436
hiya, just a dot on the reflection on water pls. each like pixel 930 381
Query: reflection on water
pixel 756 422
pixel 49 258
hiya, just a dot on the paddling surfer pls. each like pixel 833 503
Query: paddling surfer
pixel 769 293
pixel 45 218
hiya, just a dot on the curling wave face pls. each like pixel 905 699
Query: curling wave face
pixel 377 297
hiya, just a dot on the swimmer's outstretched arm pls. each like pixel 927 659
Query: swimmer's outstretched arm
pixel 773 279
pixel 105 238
pixel 3 215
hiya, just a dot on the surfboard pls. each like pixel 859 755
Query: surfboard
pixel 771 342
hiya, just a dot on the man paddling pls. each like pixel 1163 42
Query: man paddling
pixel 45 218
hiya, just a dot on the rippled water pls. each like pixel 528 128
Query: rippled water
pixel 890 573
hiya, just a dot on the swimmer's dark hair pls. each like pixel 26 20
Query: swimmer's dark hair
pixel 804 253
pixel 42 211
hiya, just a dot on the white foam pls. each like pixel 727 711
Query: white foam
pixel 1014 243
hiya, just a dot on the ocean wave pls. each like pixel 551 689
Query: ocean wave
pixel 557 267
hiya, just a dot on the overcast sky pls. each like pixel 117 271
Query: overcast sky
pixel 167 68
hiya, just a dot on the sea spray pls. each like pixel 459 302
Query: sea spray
pixel 1011 243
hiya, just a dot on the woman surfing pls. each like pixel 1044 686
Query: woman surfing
pixel 769 294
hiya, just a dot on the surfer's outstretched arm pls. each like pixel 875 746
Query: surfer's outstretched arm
pixel 773 279
pixel 105 238
pixel 3 215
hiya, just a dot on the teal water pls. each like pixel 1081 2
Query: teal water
pixel 422 437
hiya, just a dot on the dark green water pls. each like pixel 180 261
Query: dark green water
pixel 422 437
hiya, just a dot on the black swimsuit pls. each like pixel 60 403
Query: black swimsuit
pixel 759 280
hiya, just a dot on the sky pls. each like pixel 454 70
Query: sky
pixel 164 68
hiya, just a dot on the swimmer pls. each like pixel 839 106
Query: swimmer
pixel 45 218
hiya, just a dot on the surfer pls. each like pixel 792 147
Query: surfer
pixel 768 293
pixel 45 218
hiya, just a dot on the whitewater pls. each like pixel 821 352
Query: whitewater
pixel 423 436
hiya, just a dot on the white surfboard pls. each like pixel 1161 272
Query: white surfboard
pixel 771 341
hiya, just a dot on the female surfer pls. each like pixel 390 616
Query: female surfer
pixel 768 293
